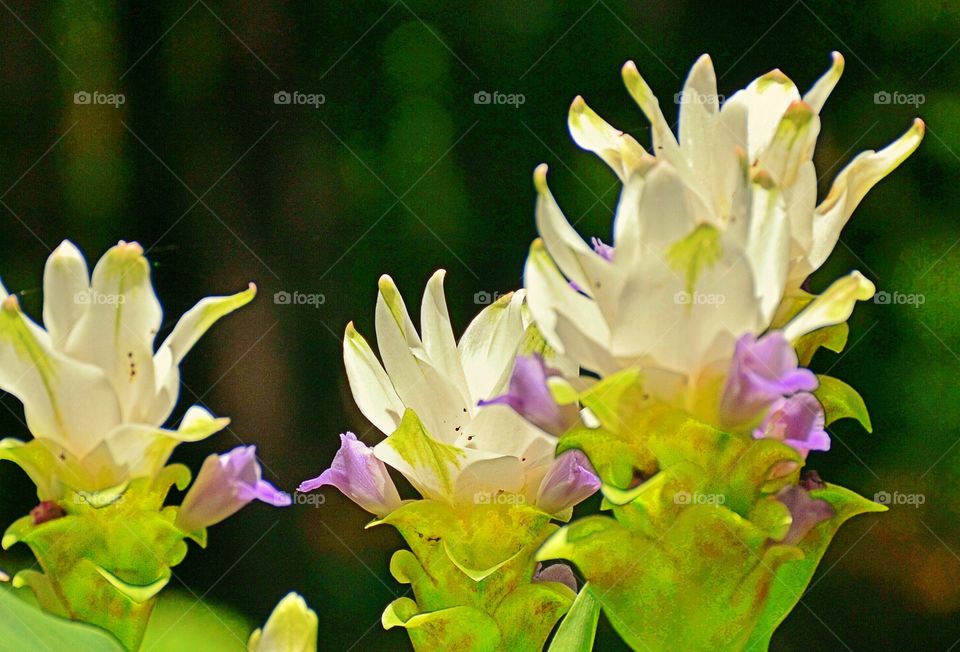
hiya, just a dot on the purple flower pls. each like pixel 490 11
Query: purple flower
pixel 807 512
pixel 529 395
pixel 762 371
pixel 569 481
pixel 360 476
pixel 797 421
pixel 603 250
pixel 225 484
pixel 559 572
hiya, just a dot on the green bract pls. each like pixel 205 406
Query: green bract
pixel 694 556
pixel 104 561
pixel 470 569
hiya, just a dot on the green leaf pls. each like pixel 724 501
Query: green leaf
pixel 841 401
pixel 579 626
pixel 25 627
pixel 792 579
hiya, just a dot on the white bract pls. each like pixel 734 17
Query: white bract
pixel 709 237
pixel 94 391
pixel 424 398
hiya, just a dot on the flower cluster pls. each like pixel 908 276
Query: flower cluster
pixel 668 368
pixel 96 393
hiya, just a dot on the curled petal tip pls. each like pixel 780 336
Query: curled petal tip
pixel 540 178
pixel 11 304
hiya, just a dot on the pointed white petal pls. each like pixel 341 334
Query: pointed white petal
pixel 699 105
pixel 850 187
pixel 570 322
pixel 438 339
pixel 117 330
pixel 617 149
pixel 817 96
pixel 834 306
pixel 419 385
pixel 65 400
pixel 490 343
pixel 592 273
pixel 766 100
pixel 792 144
pixel 66 292
pixel 768 245
pixel 664 142
pixel 372 390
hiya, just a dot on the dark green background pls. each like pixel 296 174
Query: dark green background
pixel 399 171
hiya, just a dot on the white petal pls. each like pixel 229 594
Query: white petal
pixel 850 187
pixel 430 465
pixel 699 105
pixel 143 450
pixel 575 258
pixel 570 322
pixel 64 400
pixel 419 385
pixel 117 330
pixel 766 100
pixel 66 292
pixel 489 345
pixel 188 330
pixel 372 390
pixel 198 320
pixel 499 429
pixel 617 149
pixel 768 245
pixel 664 142
pixel 817 96
pixel 438 339
pixel 792 144
pixel 834 306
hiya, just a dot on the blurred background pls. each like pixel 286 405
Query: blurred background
pixel 387 160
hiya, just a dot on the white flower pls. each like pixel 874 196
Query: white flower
pixel 425 398
pixel 94 391
pixel 767 128
pixel 705 243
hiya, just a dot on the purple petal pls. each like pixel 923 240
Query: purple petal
pixel 761 372
pixel 360 476
pixel 603 250
pixel 226 483
pixel 560 573
pixel 529 395
pixel 569 481
pixel 797 421
pixel 265 492
pixel 805 510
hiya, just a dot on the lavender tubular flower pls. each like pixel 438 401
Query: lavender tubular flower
pixel 360 476
pixel 226 483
